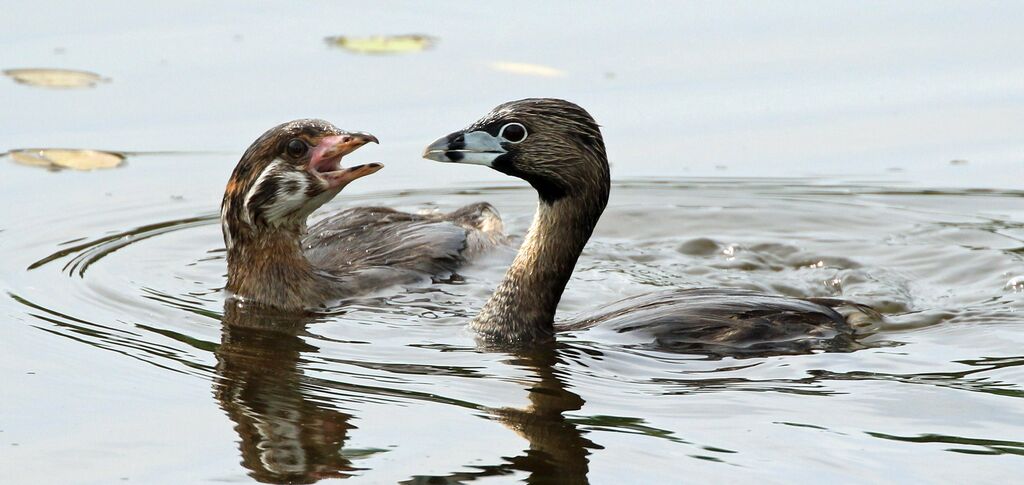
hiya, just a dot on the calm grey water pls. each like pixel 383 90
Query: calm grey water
pixel 798 149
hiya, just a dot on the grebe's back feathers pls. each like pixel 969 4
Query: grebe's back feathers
pixel 730 322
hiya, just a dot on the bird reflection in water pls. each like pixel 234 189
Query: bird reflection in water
pixel 286 436
pixel 558 450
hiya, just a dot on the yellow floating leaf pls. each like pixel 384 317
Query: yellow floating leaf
pixel 60 158
pixel 54 78
pixel 384 44
pixel 527 69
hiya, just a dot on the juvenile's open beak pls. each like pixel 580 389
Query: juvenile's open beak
pixel 329 151
pixel 475 147
pixel 342 177
pixel 325 159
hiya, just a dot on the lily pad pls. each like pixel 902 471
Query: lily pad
pixel 383 44
pixel 62 158
pixel 55 78
pixel 527 69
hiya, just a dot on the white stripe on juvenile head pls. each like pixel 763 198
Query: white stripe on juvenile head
pixel 224 210
pixel 289 199
pixel 276 165
pixel 284 194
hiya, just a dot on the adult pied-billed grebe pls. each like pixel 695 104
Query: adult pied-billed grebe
pixel 273 260
pixel 557 147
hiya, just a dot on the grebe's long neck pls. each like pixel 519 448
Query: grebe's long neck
pixel 523 306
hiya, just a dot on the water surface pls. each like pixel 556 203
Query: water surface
pixel 798 151
pixel 392 387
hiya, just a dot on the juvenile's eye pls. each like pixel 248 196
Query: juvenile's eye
pixel 296 148
pixel 513 132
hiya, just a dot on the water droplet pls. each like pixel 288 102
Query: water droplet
pixel 1016 284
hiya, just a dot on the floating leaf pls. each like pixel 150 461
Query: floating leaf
pixel 59 158
pixel 527 69
pixel 55 78
pixel 383 44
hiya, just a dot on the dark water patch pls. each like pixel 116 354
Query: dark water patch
pixel 977 446
pixel 962 380
pixel 802 425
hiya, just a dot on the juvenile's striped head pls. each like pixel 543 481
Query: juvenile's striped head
pixel 286 174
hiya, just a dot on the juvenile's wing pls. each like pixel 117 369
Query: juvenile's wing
pixel 365 237
pixel 361 238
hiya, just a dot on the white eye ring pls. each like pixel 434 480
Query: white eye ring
pixel 501 133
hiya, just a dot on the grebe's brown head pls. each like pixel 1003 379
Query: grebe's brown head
pixel 553 144
pixel 289 172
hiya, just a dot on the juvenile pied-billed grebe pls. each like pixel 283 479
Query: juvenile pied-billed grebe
pixel 557 147
pixel 289 172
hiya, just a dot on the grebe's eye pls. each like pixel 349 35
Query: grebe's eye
pixel 296 148
pixel 513 132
